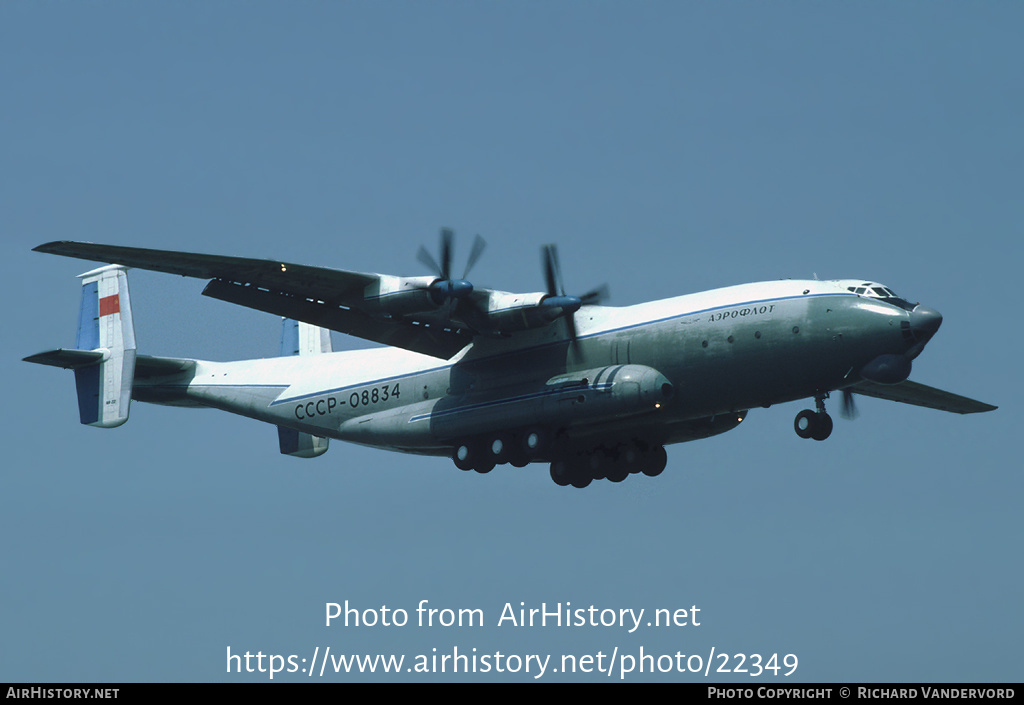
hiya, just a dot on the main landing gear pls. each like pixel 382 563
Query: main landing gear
pixel 517 449
pixel 572 465
pixel 615 463
pixel 814 424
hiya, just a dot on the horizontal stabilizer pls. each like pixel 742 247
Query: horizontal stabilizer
pixel 921 395
pixel 146 366
pixel 69 359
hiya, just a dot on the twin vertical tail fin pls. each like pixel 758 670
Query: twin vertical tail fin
pixel 105 326
pixel 104 354
pixel 298 338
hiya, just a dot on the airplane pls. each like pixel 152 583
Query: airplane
pixel 489 377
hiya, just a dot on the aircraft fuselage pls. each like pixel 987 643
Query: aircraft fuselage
pixel 710 356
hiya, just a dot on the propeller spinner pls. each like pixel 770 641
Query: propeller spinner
pixel 444 288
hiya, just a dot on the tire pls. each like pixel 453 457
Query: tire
pixel 561 473
pixel 657 460
pixel 631 458
pixel 617 474
pixel 533 442
pixel 500 448
pixel 804 423
pixel 464 456
pixel 518 460
pixel 596 464
pixel 581 481
pixel 822 427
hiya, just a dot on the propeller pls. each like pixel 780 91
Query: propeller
pixel 444 288
pixel 849 409
pixel 560 305
pixel 895 368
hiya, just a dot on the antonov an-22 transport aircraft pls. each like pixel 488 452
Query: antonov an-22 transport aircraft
pixel 490 377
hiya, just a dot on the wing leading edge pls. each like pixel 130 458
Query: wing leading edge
pixel 921 395
pixel 317 295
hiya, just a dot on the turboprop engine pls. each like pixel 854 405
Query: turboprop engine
pixel 400 295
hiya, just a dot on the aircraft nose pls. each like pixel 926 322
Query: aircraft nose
pixel 924 321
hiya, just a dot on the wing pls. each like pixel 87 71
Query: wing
pixel 331 298
pixel 921 395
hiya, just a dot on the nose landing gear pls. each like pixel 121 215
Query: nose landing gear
pixel 814 424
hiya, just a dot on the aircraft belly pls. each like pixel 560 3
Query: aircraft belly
pixel 246 400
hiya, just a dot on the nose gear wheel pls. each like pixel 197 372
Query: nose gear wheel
pixel 814 424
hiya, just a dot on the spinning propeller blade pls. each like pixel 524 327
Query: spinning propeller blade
pixel 478 248
pixel 849 410
pixel 445 288
pixel 556 292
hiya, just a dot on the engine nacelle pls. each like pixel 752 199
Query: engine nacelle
pixel 887 369
pixel 619 387
pixel 401 295
pixel 508 312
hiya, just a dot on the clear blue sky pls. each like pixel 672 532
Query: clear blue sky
pixel 668 147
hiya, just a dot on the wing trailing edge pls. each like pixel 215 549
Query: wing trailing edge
pixel 423 338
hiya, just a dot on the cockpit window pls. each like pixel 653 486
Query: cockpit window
pixel 882 292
